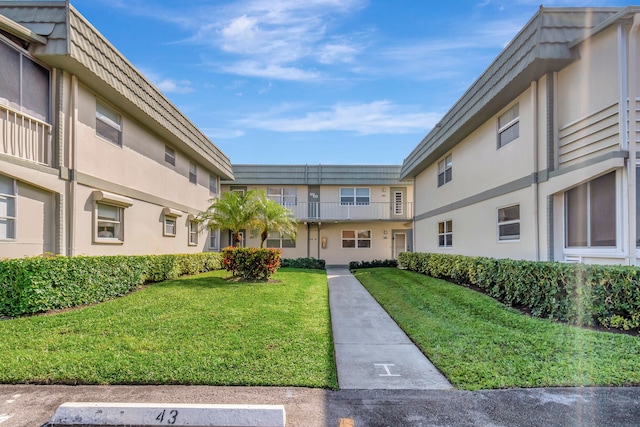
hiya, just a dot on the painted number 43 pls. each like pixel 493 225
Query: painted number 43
pixel 169 418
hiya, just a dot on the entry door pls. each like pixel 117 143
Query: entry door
pixel 314 235
pixel 399 243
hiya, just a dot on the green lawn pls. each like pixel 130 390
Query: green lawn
pixel 194 330
pixel 480 344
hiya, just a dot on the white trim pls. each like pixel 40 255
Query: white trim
pixel 171 212
pixel 515 221
pixel 111 198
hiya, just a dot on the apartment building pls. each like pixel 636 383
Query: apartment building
pixel 94 160
pixel 538 159
pixel 344 212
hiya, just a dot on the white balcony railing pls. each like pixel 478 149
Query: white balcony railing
pixel 328 211
pixel 24 137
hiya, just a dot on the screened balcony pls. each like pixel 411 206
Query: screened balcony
pixel 24 137
pixel 336 211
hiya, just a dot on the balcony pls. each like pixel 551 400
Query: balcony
pixel 24 137
pixel 328 211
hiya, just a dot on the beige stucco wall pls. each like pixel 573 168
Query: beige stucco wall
pixel 477 163
pixel 475 229
pixel 592 82
pixel 35 223
pixel 143 230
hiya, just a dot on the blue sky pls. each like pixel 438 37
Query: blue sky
pixel 313 81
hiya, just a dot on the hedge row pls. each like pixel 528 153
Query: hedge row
pixel 34 285
pixel 311 263
pixel 353 265
pixel 575 293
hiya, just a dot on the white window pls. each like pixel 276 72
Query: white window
pixel 508 126
pixel 110 223
pixel 356 238
pixel 193 173
pixel 193 233
pixel 169 155
pixel 213 240
pixel 276 240
pixel 169 225
pixel 283 196
pixel 7 208
pixel 213 185
pixel 398 203
pixel 359 196
pixel 445 170
pixel 509 223
pixel 445 234
pixel 108 124
pixel 590 213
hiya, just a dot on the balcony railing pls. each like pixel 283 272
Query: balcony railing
pixel 328 211
pixel 24 137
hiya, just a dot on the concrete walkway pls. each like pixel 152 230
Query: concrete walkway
pixel 372 352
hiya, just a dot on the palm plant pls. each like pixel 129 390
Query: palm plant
pixel 273 217
pixel 233 211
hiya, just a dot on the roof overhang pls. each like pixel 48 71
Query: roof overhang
pixel 20 31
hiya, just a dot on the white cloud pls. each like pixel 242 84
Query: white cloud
pixel 221 133
pixel 378 117
pixel 269 71
pixel 174 86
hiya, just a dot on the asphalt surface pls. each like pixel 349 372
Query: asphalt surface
pixel 383 383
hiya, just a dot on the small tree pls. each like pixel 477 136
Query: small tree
pixel 233 211
pixel 273 217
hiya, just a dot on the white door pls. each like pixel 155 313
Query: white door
pixel 399 243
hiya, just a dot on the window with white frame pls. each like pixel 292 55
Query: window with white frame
pixel 193 173
pixel 24 84
pixel 109 222
pixel 169 155
pixel 170 225
pixel 356 238
pixel 509 223
pixel 213 184
pixel 445 234
pixel 7 208
pixel 193 232
pixel 509 126
pixel 398 203
pixel 213 240
pixel 276 240
pixel 590 213
pixel 108 124
pixel 360 196
pixel 283 196
pixel 445 170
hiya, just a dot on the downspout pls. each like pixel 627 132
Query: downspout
pixel 71 251
pixel 536 190
pixel 632 136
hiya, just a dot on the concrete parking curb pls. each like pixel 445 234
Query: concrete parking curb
pixel 156 414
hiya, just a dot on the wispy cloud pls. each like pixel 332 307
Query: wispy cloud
pixel 167 84
pixel 221 133
pixel 378 117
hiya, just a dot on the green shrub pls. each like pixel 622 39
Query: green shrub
pixel 575 293
pixel 353 265
pixel 311 263
pixel 251 263
pixel 38 284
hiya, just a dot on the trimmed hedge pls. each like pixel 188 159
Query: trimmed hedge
pixel 579 294
pixel 251 263
pixel 39 284
pixel 353 265
pixel 311 263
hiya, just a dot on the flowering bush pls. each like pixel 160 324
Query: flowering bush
pixel 251 263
